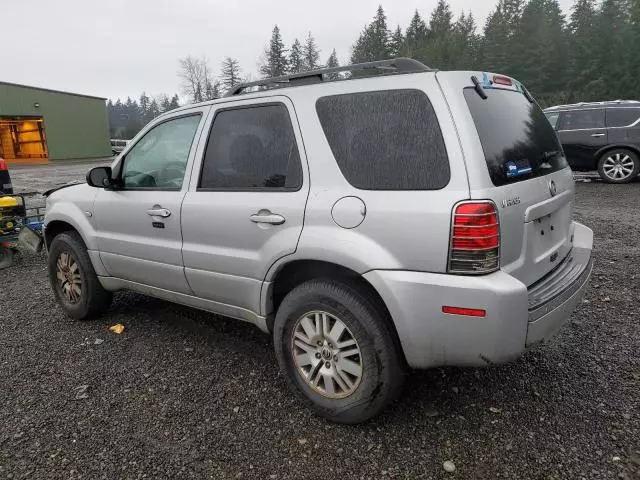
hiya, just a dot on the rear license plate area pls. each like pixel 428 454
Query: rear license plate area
pixel 550 234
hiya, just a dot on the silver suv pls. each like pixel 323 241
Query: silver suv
pixel 395 217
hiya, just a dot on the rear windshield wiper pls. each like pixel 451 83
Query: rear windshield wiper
pixel 478 87
pixel 546 156
pixel 551 154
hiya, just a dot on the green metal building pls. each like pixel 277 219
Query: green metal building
pixel 38 125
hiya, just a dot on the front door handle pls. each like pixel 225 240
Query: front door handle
pixel 158 212
pixel 265 216
pixel 597 134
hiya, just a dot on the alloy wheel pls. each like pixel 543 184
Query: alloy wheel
pixel 326 354
pixel 618 166
pixel 69 279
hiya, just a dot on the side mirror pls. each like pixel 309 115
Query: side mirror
pixel 100 177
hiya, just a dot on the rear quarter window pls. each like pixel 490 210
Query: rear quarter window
pixel 622 117
pixel 386 140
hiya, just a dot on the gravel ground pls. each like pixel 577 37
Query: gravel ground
pixel 185 394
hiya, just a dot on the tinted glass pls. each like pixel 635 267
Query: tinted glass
pixel 517 139
pixel 159 159
pixel 583 119
pixel 252 148
pixel 622 117
pixel 553 119
pixel 386 140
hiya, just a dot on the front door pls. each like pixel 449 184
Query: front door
pixel 245 207
pixel 582 133
pixel 138 223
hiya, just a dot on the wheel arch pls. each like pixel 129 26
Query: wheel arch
pixel 55 228
pixel 291 274
pixel 614 146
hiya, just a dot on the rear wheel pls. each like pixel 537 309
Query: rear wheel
pixel 337 351
pixel 618 166
pixel 73 279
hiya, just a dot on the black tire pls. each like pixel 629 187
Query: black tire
pixel 93 299
pixel 616 155
pixel 382 365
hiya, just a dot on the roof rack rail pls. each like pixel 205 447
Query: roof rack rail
pixel 593 104
pixel 391 66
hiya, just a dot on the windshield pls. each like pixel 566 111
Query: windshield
pixel 518 141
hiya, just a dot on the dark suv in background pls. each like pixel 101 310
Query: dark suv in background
pixel 603 136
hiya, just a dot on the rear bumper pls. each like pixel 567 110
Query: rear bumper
pixel 546 319
pixel 516 317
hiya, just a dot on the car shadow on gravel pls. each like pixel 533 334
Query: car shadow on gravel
pixel 429 394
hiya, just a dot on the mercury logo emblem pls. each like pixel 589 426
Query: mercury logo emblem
pixel 552 188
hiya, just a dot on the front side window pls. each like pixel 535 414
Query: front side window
pixel 252 149
pixel 386 140
pixel 583 119
pixel 159 159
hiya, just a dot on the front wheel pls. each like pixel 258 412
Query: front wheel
pixel 337 351
pixel 618 166
pixel 73 279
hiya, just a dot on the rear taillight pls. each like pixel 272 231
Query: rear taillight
pixel 475 238
pixel 3 165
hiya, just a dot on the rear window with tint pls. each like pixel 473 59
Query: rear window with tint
pixel 386 140
pixel 622 117
pixel 517 139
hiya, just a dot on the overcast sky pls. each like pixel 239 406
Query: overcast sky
pixel 115 48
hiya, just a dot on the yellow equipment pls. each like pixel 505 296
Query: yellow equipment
pixel 11 213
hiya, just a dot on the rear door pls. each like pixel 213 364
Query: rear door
pixel 582 134
pixel 245 206
pixel 623 125
pixel 513 158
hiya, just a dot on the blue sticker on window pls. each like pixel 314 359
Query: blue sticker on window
pixel 517 168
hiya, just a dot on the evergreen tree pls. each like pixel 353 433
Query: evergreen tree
pixel 208 90
pixel 165 104
pixel 436 49
pixel 583 46
pixel 542 50
pixel 296 59
pixel 498 50
pixel 396 43
pixel 441 18
pixel 635 38
pixel 143 104
pixel 311 53
pixel 153 111
pixel 416 33
pixel 131 115
pixel 465 43
pixel 417 30
pixel 275 62
pixel 332 62
pixel 230 75
pixel 373 43
pixel 174 103
pixel 216 93
pixel 614 52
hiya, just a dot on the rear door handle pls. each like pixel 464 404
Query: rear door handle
pixel 265 216
pixel 597 134
pixel 158 212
